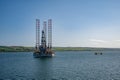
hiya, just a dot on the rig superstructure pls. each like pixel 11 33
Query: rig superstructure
pixel 45 48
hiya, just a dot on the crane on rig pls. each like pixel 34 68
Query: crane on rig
pixel 45 48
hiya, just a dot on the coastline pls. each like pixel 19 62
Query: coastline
pixel 31 49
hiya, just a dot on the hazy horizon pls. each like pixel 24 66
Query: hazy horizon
pixel 76 23
pixel 59 46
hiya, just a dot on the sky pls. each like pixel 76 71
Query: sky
pixel 76 23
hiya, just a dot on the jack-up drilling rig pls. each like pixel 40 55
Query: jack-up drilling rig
pixel 43 50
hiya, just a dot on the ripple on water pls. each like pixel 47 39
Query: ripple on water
pixel 68 65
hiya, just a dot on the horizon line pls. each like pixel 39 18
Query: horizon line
pixel 61 46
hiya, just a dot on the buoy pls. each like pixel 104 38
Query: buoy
pixel 95 53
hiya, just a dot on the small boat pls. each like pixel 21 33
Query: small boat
pixel 96 53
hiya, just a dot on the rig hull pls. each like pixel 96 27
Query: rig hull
pixel 39 54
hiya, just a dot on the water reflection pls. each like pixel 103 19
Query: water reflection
pixel 43 68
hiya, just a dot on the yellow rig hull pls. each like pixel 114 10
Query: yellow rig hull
pixel 38 54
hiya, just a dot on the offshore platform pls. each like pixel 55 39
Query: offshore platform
pixel 45 48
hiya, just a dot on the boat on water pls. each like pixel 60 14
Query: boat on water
pixel 96 53
pixel 43 50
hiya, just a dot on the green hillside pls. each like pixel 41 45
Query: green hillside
pixel 15 49
pixel 29 49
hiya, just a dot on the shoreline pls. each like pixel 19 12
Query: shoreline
pixel 31 49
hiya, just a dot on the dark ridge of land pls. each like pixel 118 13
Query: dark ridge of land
pixel 84 49
pixel 15 49
pixel 31 49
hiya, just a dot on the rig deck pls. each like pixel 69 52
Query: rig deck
pixel 43 50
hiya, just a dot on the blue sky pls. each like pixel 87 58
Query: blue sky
pixel 78 23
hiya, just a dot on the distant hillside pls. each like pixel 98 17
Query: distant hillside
pixel 15 49
pixel 84 49
pixel 29 49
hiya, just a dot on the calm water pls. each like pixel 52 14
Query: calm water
pixel 68 65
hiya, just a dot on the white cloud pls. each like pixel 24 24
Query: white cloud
pixel 117 40
pixel 98 41
pixel 103 43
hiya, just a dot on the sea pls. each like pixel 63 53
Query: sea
pixel 65 65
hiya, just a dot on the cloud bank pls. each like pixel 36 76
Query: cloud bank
pixel 104 43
